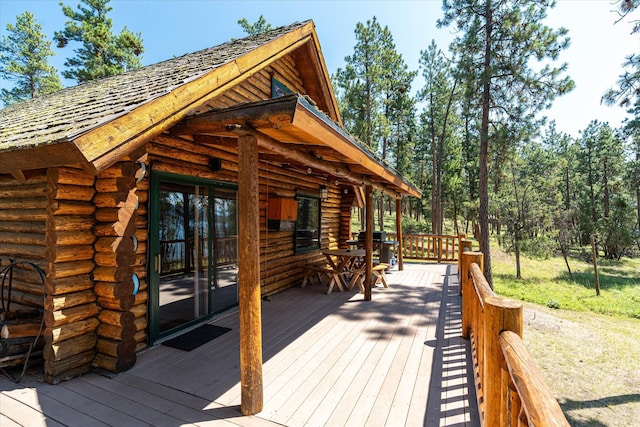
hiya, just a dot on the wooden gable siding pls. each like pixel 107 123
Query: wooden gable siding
pixel 258 86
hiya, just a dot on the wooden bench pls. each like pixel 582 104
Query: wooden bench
pixel 357 277
pixel 318 271
pixel 321 271
pixel 378 273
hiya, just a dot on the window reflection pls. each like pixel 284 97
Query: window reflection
pixel 307 236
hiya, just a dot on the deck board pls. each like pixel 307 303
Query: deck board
pixel 328 360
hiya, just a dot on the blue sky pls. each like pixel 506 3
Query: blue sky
pixel 175 27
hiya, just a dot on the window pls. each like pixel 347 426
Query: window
pixel 307 235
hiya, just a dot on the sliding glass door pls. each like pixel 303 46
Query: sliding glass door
pixel 193 252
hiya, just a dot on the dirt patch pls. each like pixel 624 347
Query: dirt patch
pixel 591 363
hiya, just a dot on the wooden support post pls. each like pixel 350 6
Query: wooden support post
pixel 500 315
pixel 468 290
pixel 368 241
pixel 399 232
pixel 249 277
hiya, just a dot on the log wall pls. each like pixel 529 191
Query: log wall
pixel 120 275
pixel 22 236
pixel 70 304
pixel 23 229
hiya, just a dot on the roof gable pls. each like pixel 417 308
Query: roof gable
pixel 97 123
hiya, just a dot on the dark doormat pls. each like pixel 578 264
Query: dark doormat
pixel 196 337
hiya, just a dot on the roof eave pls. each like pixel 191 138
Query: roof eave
pixel 292 120
pixel 63 153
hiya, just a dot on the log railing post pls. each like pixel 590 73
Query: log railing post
pixel 500 315
pixel 461 238
pixel 249 277
pixel 463 245
pixel 468 290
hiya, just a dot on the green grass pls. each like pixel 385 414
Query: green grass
pixel 547 282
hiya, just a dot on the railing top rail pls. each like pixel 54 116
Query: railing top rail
pixel 540 405
pixel 483 290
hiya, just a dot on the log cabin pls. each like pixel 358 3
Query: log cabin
pixel 155 199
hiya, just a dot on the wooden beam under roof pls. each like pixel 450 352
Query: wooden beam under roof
pixel 290 120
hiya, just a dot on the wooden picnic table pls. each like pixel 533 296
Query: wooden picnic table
pixel 345 263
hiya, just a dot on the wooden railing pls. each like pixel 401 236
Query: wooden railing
pixel 428 247
pixel 509 387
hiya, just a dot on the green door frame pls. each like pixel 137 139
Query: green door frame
pixel 156 178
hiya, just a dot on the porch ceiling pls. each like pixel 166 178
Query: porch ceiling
pixel 294 132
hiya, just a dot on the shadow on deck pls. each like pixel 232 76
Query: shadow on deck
pixel 328 360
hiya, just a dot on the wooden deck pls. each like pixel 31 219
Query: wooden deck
pixel 329 360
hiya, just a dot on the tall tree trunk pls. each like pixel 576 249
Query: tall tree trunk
pixel 455 216
pixel 637 184
pixel 434 171
pixel 516 238
pixel 592 195
pixel 518 225
pixel 440 155
pixel 605 183
pixel 469 215
pixel 567 196
pixel 565 255
pixel 483 213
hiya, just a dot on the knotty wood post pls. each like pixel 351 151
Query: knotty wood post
pixel 461 238
pixel 249 277
pixel 514 404
pixel 468 290
pixel 399 232
pixel 466 247
pixel 500 314
pixel 368 241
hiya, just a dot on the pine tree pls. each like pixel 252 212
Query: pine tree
pixel 258 27
pixel 101 53
pixel 439 94
pixel 24 56
pixel 373 94
pixel 498 42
